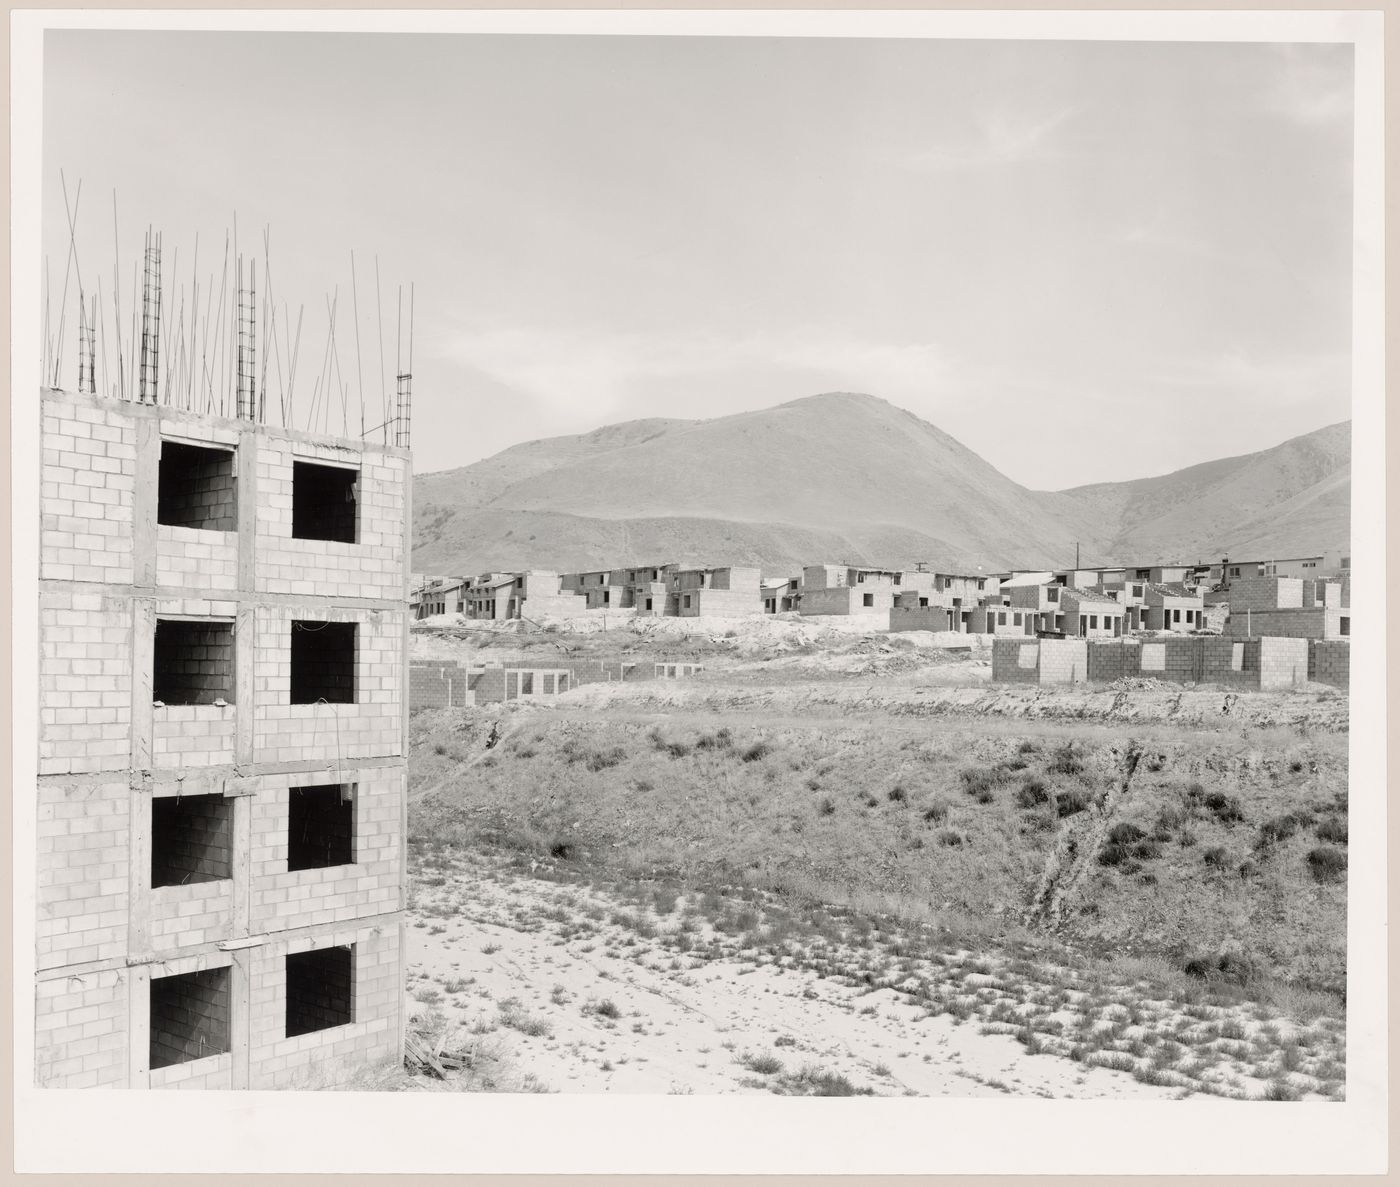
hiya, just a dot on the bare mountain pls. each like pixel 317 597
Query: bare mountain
pixel 846 477
pixel 1293 499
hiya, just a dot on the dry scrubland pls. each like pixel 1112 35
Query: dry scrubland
pixel 1143 885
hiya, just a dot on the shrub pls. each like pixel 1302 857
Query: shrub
pixel 1280 828
pixel 827 807
pixel 950 838
pixel 1327 864
pixel 1147 850
pixel 1027 747
pixel 1113 854
pixel 1031 794
pixel 765 1064
pixel 1065 762
pixel 1248 869
pixel 601 760
pixel 607 1008
pixel 936 812
pixel 643 784
pixel 1214 856
pixel 758 750
pixel 1333 829
pixel 1124 833
pixel 897 795
pixel 561 849
pixel 1170 819
pixel 720 740
pixel 1067 803
pixel 1226 808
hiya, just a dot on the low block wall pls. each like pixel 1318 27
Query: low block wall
pixel 1253 663
pixel 1064 661
pixel 921 618
pixel 1283 663
pixel 1329 662
pixel 437 684
pixel 1015 661
pixel 1113 661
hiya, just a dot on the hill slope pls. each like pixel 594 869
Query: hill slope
pixel 1292 499
pixel 843 477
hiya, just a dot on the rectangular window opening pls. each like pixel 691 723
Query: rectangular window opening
pixel 193 661
pixel 324 502
pixel 1345 626
pixel 321 826
pixel 197 487
pixel 189 1016
pixel 323 662
pixel 191 839
pixel 867 599
pixel 320 989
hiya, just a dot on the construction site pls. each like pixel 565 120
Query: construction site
pixel 221 875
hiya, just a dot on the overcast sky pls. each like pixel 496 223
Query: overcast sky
pixel 1086 261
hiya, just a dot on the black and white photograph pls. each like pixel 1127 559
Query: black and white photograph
pixel 628 565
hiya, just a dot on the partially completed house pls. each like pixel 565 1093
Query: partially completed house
pixel 844 589
pixel 1085 614
pixel 721 593
pixel 441 595
pixel 1173 608
pixel 644 589
pixel 494 596
pixel 781 594
pixel 221 789
pixel 1288 607
pixel 599 588
pixel 1130 595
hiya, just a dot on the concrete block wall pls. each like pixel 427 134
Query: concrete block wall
pixel 1329 662
pixel 371 726
pixel 85 674
pixel 108 753
pixel 1283 663
pixel 921 618
pixel 83 871
pixel 1064 661
pixel 1113 661
pixel 1230 662
pixel 373 567
pixel 81 1029
pixel 1015 661
pixel 281 898
pixel 87 484
pixel 437 684
pixel 1257 663
pixel 1265 593
pixel 721 603
pixel 1299 623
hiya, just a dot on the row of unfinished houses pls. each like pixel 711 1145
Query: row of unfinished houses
pixel 1307 597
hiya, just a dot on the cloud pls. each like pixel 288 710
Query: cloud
pixel 1314 85
pixel 565 369
pixel 996 139
pixel 1287 380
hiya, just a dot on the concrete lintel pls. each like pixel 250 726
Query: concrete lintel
pixel 166 778
pixel 206 594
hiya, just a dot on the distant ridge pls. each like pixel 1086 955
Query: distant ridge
pixel 850 477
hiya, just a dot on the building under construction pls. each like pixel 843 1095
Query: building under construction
pixel 222 740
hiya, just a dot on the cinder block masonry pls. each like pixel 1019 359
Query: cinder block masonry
pixel 223 638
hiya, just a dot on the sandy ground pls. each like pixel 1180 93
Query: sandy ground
pixel 509 963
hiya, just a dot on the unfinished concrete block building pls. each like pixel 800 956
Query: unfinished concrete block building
pixel 222 810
